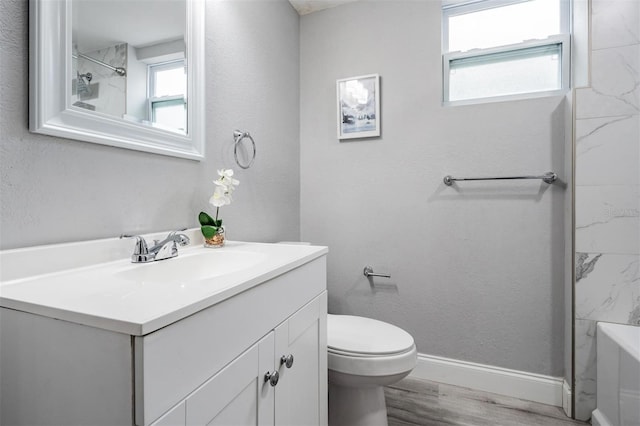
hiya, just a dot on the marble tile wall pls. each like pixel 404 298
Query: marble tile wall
pixel 108 89
pixel 607 131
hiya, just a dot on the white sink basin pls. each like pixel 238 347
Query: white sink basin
pixel 192 267
pixel 94 283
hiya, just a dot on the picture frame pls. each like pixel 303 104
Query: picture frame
pixel 358 100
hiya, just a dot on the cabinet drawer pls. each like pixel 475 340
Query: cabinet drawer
pixel 173 361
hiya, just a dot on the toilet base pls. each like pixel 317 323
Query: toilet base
pixel 357 406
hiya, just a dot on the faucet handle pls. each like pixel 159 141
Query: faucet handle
pixel 141 244
pixel 180 239
pixel 183 240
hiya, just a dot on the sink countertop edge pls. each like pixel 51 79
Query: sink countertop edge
pixel 140 328
pixel 158 323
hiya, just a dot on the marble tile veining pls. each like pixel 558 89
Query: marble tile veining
pixel 615 84
pixel 634 315
pixel 614 23
pixel 111 96
pixel 607 205
pixel 585 265
pixel 610 288
pixel 607 219
pixel 419 402
pixel 607 151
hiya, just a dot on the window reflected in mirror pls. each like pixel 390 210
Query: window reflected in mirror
pixel 167 95
pixel 129 61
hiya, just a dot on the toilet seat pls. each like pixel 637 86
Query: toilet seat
pixel 359 336
pixel 367 347
pixel 359 355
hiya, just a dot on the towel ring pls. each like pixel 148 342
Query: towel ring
pixel 238 136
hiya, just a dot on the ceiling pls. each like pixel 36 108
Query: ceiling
pixel 308 6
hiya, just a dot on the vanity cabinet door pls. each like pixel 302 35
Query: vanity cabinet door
pixel 301 394
pixel 172 362
pixel 238 394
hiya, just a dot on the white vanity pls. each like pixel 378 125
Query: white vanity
pixel 235 335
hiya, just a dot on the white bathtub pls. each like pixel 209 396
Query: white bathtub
pixel 618 380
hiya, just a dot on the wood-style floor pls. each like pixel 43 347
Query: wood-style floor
pixel 420 402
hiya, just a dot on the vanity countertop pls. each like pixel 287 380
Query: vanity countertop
pixel 138 299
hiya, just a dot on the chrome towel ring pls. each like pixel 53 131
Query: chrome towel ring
pixel 238 136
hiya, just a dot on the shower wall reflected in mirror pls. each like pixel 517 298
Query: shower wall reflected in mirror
pixel 129 61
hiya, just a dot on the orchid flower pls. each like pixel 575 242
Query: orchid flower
pixel 225 185
pixel 226 179
pixel 220 197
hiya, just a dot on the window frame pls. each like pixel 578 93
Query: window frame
pixel 565 75
pixel 459 7
pixel 173 100
pixel 152 69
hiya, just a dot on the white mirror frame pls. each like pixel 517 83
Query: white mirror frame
pixel 50 88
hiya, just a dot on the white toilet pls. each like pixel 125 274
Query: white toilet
pixel 363 356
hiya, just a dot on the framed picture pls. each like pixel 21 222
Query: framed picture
pixel 358 107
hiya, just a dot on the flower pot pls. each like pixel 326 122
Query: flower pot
pixel 217 240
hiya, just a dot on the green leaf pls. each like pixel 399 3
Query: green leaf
pixel 205 219
pixel 208 231
pixel 217 223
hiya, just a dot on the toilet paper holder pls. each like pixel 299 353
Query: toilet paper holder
pixel 368 272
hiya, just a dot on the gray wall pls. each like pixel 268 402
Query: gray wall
pixel 56 190
pixel 477 269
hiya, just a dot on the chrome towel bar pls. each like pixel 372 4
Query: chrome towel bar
pixel 118 70
pixel 548 177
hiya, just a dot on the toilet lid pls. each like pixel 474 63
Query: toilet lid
pixel 358 335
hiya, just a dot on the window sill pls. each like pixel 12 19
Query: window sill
pixel 506 98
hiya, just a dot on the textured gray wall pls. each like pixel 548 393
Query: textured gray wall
pixel 477 269
pixel 477 272
pixel 56 190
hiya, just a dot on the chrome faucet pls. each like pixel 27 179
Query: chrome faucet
pixel 160 250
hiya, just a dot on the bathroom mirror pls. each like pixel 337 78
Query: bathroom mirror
pixel 120 73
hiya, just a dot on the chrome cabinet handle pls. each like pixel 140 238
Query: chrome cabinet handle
pixel 272 378
pixel 287 360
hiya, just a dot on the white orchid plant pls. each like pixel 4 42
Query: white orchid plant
pixel 225 185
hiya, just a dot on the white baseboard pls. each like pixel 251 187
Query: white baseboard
pixel 518 384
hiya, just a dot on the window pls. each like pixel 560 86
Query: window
pixel 167 95
pixel 503 49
